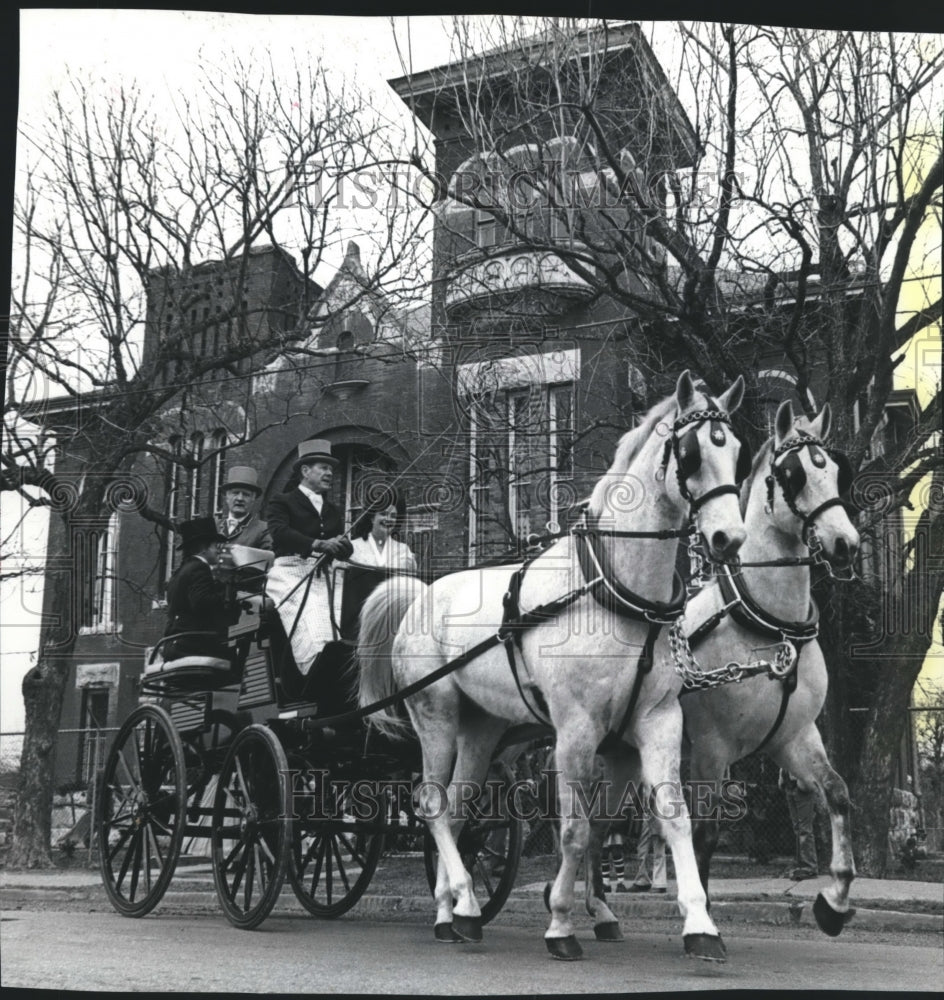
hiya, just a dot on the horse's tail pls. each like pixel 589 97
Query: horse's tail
pixel 381 615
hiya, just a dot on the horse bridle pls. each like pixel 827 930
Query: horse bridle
pixel 688 456
pixel 791 478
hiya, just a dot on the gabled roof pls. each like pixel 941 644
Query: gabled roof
pixel 350 281
pixel 350 294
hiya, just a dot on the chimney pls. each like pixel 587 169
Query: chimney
pixel 353 255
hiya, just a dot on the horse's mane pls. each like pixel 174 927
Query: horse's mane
pixel 761 458
pixel 630 444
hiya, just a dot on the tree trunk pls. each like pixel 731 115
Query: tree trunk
pixel 910 628
pixel 43 690
pixel 873 785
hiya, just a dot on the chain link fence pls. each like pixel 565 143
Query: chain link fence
pixel 11 746
pixel 73 801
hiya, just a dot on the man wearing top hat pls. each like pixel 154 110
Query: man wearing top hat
pixel 239 524
pixel 195 599
pixel 306 530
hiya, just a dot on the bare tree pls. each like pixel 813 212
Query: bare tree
pixel 785 215
pixel 112 345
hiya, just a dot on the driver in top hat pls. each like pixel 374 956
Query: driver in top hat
pixel 306 528
pixel 239 523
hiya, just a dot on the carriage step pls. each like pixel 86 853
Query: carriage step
pixel 302 710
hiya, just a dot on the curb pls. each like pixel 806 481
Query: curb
pixel 793 913
pixel 796 913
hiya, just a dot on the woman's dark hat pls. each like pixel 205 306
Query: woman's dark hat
pixel 315 450
pixel 200 529
pixel 381 496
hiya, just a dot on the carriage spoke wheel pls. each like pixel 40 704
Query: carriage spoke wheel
pixel 490 845
pixel 250 827
pixel 336 844
pixel 140 813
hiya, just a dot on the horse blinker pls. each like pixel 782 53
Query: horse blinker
pixel 689 453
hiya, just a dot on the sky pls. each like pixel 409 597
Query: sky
pixel 164 51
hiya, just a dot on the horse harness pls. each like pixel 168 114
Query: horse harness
pixel 743 609
pixel 790 475
pixel 600 582
pixel 606 591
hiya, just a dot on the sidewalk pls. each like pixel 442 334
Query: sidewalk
pixel 880 904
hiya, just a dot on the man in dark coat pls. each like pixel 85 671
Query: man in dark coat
pixel 306 531
pixel 240 525
pixel 196 601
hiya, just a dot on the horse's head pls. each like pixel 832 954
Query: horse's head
pixel 703 462
pixel 806 482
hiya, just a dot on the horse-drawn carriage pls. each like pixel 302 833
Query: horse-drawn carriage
pixel 274 772
pixel 590 638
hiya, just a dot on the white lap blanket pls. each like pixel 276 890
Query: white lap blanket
pixel 305 609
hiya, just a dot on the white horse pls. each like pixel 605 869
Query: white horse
pixel 583 661
pixel 793 492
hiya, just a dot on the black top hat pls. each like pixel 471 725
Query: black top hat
pixel 244 476
pixel 200 529
pixel 315 450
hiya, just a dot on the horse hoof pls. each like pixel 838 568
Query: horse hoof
pixel 566 949
pixel 610 931
pixel 830 921
pixel 547 896
pixel 467 928
pixel 706 947
pixel 445 933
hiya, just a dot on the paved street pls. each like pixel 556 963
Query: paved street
pixel 292 953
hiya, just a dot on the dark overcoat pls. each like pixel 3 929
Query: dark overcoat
pixel 196 602
pixel 295 525
pixel 251 532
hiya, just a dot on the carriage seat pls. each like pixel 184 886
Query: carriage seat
pixel 185 673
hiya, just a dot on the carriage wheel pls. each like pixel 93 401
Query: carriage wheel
pixel 140 814
pixel 490 846
pixel 250 827
pixel 336 843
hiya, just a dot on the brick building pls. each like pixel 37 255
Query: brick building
pixel 494 406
